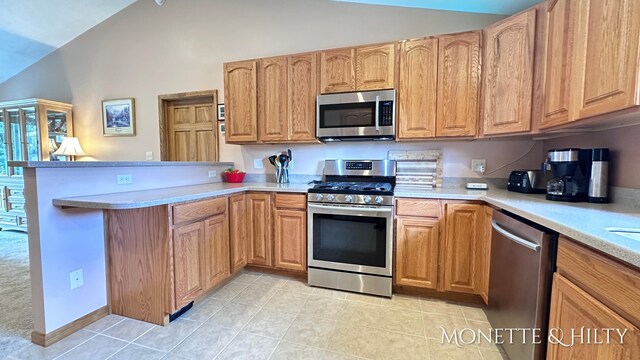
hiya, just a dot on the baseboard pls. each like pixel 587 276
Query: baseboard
pixel 56 335
pixel 439 295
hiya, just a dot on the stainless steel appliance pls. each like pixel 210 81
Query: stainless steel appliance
pixel 599 181
pixel 368 115
pixel 350 226
pixel 522 264
pixel 571 170
pixel 527 181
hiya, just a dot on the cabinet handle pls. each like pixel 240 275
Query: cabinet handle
pixel 377 117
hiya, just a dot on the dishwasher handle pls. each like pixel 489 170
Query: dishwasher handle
pixel 516 239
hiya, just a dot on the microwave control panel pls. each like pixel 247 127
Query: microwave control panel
pixel 386 113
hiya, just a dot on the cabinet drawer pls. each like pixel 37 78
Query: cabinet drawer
pixel 8 220
pixel 291 201
pixel 418 207
pixel 189 212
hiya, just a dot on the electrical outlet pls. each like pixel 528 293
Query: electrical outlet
pixel 257 164
pixel 213 173
pixel 76 279
pixel 124 179
pixel 149 155
pixel 478 165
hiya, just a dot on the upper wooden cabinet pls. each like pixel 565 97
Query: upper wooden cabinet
pixel 508 74
pixel 272 99
pixel 375 67
pixel 302 79
pixel 462 247
pixel 337 70
pixel 417 88
pixel 458 84
pixel 241 98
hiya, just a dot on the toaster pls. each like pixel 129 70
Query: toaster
pixel 527 181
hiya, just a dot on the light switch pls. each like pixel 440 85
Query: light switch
pixel 149 155
pixel 257 164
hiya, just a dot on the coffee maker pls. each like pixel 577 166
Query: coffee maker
pixel 571 169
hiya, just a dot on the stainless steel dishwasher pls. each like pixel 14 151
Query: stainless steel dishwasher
pixel 522 264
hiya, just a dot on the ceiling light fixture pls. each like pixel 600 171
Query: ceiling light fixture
pixel 159 2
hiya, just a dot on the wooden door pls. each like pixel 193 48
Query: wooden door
pixel 192 129
pixel 259 223
pixel 337 71
pixel 187 263
pixel 607 58
pixel 573 309
pixel 508 74
pixel 272 100
pixel 303 89
pixel 458 84
pixel 461 247
pixel 241 101
pixel 557 75
pixel 485 256
pixel 215 256
pixel 291 240
pixel 375 67
pixel 238 229
pixel 417 89
pixel 417 245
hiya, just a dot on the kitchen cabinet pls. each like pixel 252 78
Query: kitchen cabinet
pixel 290 229
pixel 337 70
pixel 238 229
pixel 188 266
pixel 417 88
pixel 259 224
pixel 508 74
pixel 302 91
pixel 241 101
pixel 462 246
pixel 216 251
pixel 485 255
pixel 375 67
pixel 458 84
pixel 417 246
pixel 272 99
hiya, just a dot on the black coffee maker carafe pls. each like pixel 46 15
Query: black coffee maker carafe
pixel 571 169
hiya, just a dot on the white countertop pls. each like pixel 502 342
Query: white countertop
pixel 584 222
pixel 80 164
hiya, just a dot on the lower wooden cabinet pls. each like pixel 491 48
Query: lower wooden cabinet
pixel 485 253
pixel 259 224
pixel 216 251
pixel 238 230
pixel 290 240
pixel 462 236
pixel 188 266
pixel 417 244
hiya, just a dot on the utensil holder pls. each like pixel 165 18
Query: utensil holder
pixel 282 175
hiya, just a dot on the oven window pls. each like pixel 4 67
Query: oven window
pixel 346 239
pixel 347 115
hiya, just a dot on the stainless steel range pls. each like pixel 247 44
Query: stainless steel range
pixel 350 226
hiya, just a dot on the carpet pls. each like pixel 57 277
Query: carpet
pixel 16 323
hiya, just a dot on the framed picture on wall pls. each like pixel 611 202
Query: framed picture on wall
pixel 119 117
pixel 220 112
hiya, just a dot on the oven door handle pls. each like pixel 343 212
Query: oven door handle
pixel 377 117
pixel 350 209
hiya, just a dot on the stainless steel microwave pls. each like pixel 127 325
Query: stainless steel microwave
pixel 367 115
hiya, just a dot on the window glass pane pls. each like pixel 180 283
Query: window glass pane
pixel 16 138
pixel 31 126
pixel 3 152
pixel 57 127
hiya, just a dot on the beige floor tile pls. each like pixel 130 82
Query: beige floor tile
pixel 203 310
pixel 404 321
pixel 248 346
pixel 270 323
pixel 310 331
pixel 446 351
pixel 229 291
pixel 323 307
pixel 291 351
pixel 298 286
pixel 104 323
pixel 36 352
pixel 128 329
pixel 488 354
pixel 436 306
pixel 355 340
pixel 98 348
pixel 434 324
pixel 269 280
pixel 404 302
pixel 474 313
pixel 330 293
pixel 358 313
pixel 164 338
pixel 135 352
pixel 246 277
pixel 400 346
pixel 287 301
pixel 255 295
pixel 481 341
pixel 204 343
pixel 369 299
pixel 233 316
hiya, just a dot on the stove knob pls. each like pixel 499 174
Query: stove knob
pixel 319 197
pixel 367 199
pixel 348 198
pixel 330 197
pixel 379 199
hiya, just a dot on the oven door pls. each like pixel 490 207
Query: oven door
pixel 351 238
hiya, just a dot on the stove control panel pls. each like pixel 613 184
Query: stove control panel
pixel 358 165
pixel 386 200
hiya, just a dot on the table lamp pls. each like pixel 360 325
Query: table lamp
pixel 70 147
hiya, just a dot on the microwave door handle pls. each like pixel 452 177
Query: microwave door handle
pixel 377 117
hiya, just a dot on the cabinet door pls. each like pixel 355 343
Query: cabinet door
pixel 417 89
pixel 508 74
pixel 4 170
pixel 485 256
pixel 559 37
pixel 461 247
pixel 375 67
pixel 187 263
pixel 291 239
pixel 303 89
pixel 607 58
pixel 238 229
pixel 241 99
pixel 259 223
pixel 337 71
pixel 458 84
pixel 574 309
pixel 216 250
pixel 417 244
pixel 272 100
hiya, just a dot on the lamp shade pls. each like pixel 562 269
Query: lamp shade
pixel 71 147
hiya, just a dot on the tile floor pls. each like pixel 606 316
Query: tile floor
pixel 263 316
